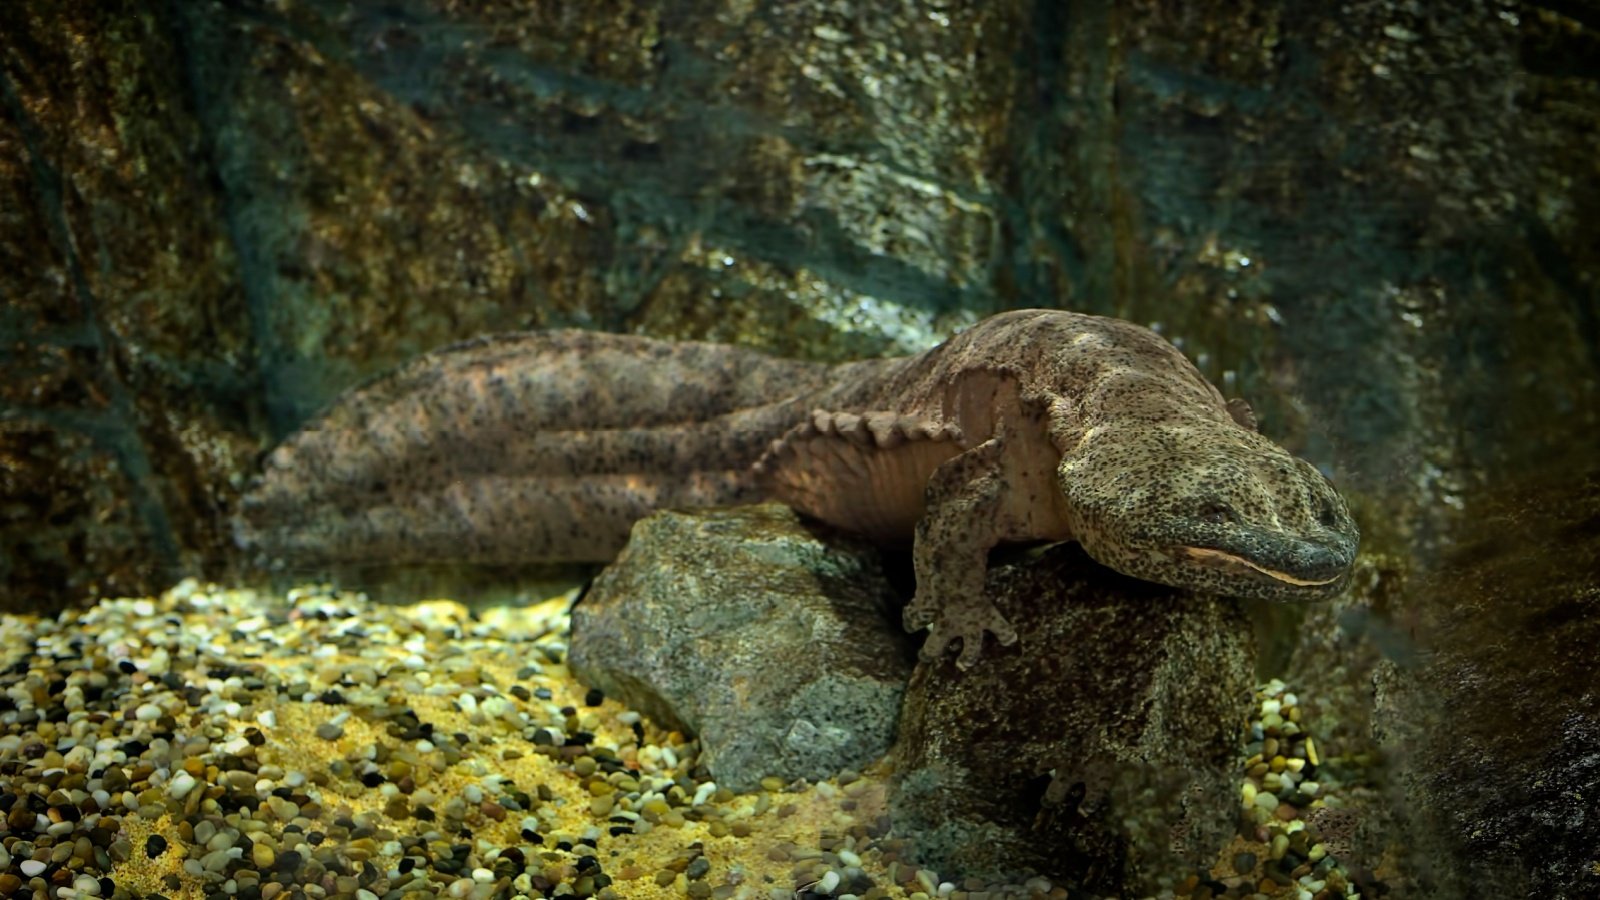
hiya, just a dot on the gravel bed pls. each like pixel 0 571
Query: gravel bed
pixel 227 743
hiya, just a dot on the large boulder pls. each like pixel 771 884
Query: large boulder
pixel 1493 726
pixel 1109 734
pixel 774 643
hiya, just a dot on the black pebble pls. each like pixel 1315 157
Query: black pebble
pixel 594 698
pixel 155 845
pixel 288 861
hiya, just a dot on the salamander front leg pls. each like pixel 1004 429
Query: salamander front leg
pixel 951 556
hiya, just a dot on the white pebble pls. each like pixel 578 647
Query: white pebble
pixel 482 876
pixel 498 707
pixel 946 889
pixel 147 712
pixel 704 792
pixel 849 857
pixel 32 867
pixel 180 785
pixel 828 883
pixel 1266 801
pixel 1310 788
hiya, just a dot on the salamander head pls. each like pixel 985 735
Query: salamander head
pixel 1208 506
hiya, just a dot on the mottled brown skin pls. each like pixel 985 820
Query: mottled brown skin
pixel 1035 425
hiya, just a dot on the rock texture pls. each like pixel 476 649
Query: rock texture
pixel 774 644
pixel 1369 218
pixel 125 358
pixel 1110 734
pixel 1494 726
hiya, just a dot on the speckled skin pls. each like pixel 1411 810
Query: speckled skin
pixel 1034 425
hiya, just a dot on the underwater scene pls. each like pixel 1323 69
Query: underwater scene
pixel 799 450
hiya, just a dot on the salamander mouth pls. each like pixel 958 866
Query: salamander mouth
pixel 1223 559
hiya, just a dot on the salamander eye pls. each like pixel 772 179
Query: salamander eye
pixel 1217 514
pixel 1327 516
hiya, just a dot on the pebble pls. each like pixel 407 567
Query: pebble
pixel 180 785
pixel 421 795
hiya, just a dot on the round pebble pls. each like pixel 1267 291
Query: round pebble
pixel 180 785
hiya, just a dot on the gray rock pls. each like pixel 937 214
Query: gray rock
pixel 776 644
pixel 1132 694
pixel 1492 732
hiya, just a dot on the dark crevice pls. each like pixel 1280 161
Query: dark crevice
pixel 1585 14
pixel 1584 298
pixel 1039 182
pixel 207 85
pixel 116 431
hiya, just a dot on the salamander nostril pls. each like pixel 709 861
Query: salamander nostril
pixel 1216 514
pixel 1325 556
